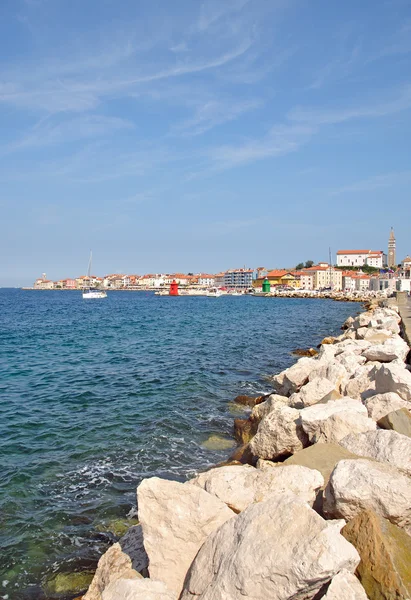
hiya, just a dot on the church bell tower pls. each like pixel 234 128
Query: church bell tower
pixel 392 263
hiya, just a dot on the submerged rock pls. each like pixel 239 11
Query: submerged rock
pixel 68 583
pixel 218 442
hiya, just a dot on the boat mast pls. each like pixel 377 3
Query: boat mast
pixel 331 274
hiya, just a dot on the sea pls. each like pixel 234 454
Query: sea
pixel 96 395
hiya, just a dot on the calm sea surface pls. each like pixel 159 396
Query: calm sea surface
pixel 96 395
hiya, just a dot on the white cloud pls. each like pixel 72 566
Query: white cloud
pixel 213 113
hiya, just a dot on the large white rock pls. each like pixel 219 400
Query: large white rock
pixel 350 361
pixel 357 485
pixel 333 421
pixel 176 519
pixel 389 323
pixel 382 445
pixel 138 589
pixel 375 335
pixel 334 372
pixel 240 486
pixel 314 391
pixel 390 350
pixel 381 404
pixel 279 434
pixel 126 558
pixel 394 378
pixel 261 410
pixel 363 319
pixel 352 346
pixel 279 549
pixel 296 376
pixel 362 383
pixel 345 586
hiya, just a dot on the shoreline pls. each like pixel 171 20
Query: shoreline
pixel 240 459
pixel 338 296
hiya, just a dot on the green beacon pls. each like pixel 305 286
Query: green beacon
pixel 266 286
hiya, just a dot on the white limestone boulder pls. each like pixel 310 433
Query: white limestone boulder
pixel 363 319
pixel 350 361
pixel 176 519
pixel 361 484
pixel 394 378
pixel 279 548
pixel 295 377
pixel 262 410
pixel 345 586
pixel 383 445
pixel 240 486
pixel 314 391
pixel 333 421
pixel 352 346
pixel 376 336
pixel 138 589
pixel 381 404
pixel 362 383
pixel 334 372
pixel 126 558
pixel 390 350
pixel 279 434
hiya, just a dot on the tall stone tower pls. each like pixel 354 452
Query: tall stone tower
pixel 392 263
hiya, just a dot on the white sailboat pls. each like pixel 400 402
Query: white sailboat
pixel 88 292
pixel 214 293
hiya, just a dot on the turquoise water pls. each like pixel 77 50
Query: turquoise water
pixel 96 395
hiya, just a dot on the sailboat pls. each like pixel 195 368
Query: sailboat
pixel 89 292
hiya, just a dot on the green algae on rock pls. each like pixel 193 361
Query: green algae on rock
pixel 68 583
pixel 218 442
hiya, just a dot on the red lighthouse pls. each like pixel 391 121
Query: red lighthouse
pixel 173 288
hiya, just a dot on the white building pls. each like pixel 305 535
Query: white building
pixel 306 280
pixel 359 258
pixel 206 280
pixel 238 279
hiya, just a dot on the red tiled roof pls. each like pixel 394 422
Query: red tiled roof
pixel 379 252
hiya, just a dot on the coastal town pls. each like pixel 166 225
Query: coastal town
pixel 354 271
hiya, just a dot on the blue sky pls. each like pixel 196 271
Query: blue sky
pixel 194 135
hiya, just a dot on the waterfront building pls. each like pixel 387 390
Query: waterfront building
pixel 360 258
pixel 406 263
pixel 238 279
pixel 219 279
pixel 43 284
pixel 391 251
pixel 206 280
pixel 306 280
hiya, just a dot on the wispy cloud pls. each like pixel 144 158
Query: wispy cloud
pixel 317 117
pixel 48 133
pixel 213 11
pixel 281 140
pixel 374 183
pixel 213 113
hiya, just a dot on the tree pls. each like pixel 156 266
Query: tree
pixel 299 266
pixel 309 264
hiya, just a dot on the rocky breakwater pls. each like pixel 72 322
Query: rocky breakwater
pixel 322 508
